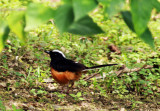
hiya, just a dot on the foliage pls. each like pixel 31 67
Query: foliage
pixel 24 67
pixel 146 36
pixel 4 31
pixel 3 108
pixel 73 16
pixel 77 96
pixel 39 92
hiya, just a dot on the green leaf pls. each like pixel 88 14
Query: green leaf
pixel 110 82
pixel 146 36
pixel 112 7
pixel 141 12
pixel 85 26
pixel 37 14
pixel 79 94
pixel 81 99
pixel 127 17
pixel 150 91
pixel 4 31
pixel 64 17
pixel 73 95
pixel 156 5
pixel 16 24
pixel 2 106
pixel 82 7
pixel 67 1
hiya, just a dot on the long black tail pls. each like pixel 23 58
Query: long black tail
pixel 94 67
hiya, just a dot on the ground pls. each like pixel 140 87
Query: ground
pixel 26 83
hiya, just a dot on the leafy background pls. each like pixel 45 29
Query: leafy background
pixel 25 68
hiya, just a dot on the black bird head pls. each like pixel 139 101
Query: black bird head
pixel 55 55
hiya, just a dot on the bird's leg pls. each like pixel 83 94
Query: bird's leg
pixel 63 89
pixel 72 84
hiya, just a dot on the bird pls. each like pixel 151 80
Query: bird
pixel 66 71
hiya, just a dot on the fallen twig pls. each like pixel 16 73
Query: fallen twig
pixel 91 76
pixel 122 70
pixel 127 70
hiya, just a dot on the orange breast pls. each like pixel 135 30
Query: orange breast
pixel 65 77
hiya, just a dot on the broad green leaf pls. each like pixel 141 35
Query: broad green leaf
pixel 37 14
pixel 16 24
pixel 85 26
pixel 127 17
pixel 156 5
pixel 141 12
pixel 67 1
pixel 82 7
pixel 64 17
pixel 112 7
pixel 146 36
pixel 4 31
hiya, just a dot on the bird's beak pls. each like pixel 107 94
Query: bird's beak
pixel 48 52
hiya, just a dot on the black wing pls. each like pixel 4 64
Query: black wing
pixel 68 65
